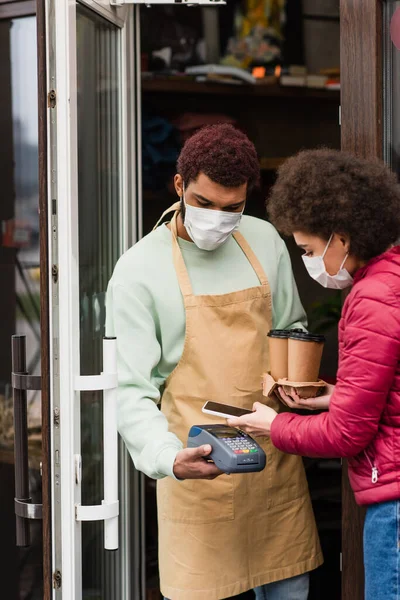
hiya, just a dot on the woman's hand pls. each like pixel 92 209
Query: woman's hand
pixel 258 423
pixel 293 400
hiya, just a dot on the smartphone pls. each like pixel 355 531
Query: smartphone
pixel 224 410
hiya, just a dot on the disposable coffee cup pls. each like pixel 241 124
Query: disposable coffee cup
pixel 278 353
pixel 304 356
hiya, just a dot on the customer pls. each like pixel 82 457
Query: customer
pixel 191 305
pixel 344 212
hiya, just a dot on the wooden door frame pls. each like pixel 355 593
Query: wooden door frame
pixel 361 42
pixel 44 297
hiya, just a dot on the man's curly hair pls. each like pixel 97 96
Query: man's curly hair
pixel 325 191
pixel 223 153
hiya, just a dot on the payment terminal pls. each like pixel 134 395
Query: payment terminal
pixel 233 451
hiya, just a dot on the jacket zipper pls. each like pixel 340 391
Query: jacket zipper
pixel 374 469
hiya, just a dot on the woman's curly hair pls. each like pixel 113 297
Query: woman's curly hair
pixel 325 191
pixel 223 153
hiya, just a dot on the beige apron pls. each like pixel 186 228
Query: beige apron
pixel 222 537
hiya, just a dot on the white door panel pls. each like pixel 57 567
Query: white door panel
pixel 92 83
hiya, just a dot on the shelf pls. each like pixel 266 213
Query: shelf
pixel 188 86
pixel 271 164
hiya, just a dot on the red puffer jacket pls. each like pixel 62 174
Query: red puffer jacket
pixel 363 422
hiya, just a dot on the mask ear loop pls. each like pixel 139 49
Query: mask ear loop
pixel 327 246
pixel 343 263
pixel 326 250
pixel 183 203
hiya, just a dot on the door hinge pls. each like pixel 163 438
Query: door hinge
pixel 51 99
pixel 57 580
pixel 341 562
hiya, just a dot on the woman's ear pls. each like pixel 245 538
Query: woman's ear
pixel 178 183
pixel 345 241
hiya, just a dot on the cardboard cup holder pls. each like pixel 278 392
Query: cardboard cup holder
pixel 305 389
pixel 295 359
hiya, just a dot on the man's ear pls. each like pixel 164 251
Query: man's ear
pixel 178 183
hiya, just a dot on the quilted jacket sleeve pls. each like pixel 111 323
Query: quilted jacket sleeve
pixel 369 353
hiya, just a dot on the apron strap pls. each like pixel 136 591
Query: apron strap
pixel 180 267
pixel 172 208
pixel 179 263
pixel 252 258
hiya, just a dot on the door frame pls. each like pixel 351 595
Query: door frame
pixel 44 299
pixel 63 255
pixel 10 10
pixel 13 9
pixel 361 62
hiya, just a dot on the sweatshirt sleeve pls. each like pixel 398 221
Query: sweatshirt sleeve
pixel 287 310
pixel 141 424
pixel 369 357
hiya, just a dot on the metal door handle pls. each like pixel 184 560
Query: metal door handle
pixel 21 382
pixel 108 510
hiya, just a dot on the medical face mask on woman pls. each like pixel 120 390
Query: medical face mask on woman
pixel 316 269
pixel 209 229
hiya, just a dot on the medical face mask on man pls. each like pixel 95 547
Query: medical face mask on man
pixel 209 229
pixel 316 269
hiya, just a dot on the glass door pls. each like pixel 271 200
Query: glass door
pixel 21 569
pixel 92 205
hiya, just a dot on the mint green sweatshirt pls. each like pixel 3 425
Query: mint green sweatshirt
pixel 145 312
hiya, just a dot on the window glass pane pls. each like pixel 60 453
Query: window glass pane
pixel 98 84
pixel 21 568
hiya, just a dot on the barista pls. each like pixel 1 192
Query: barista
pixel 191 305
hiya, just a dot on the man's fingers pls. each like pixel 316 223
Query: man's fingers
pixel 201 451
pixel 233 422
pixel 211 471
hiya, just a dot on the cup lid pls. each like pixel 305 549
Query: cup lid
pixel 305 336
pixel 283 333
pixel 279 333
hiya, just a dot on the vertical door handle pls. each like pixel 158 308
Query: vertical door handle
pixel 108 511
pixel 110 442
pixel 21 382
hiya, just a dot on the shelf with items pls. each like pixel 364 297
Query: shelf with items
pixel 184 85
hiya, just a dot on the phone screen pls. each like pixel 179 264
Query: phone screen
pixel 232 411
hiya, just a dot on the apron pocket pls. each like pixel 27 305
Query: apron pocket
pixel 196 500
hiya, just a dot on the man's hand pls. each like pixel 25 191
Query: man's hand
pixel 191 463
pixel 258 423
pixel 293 400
